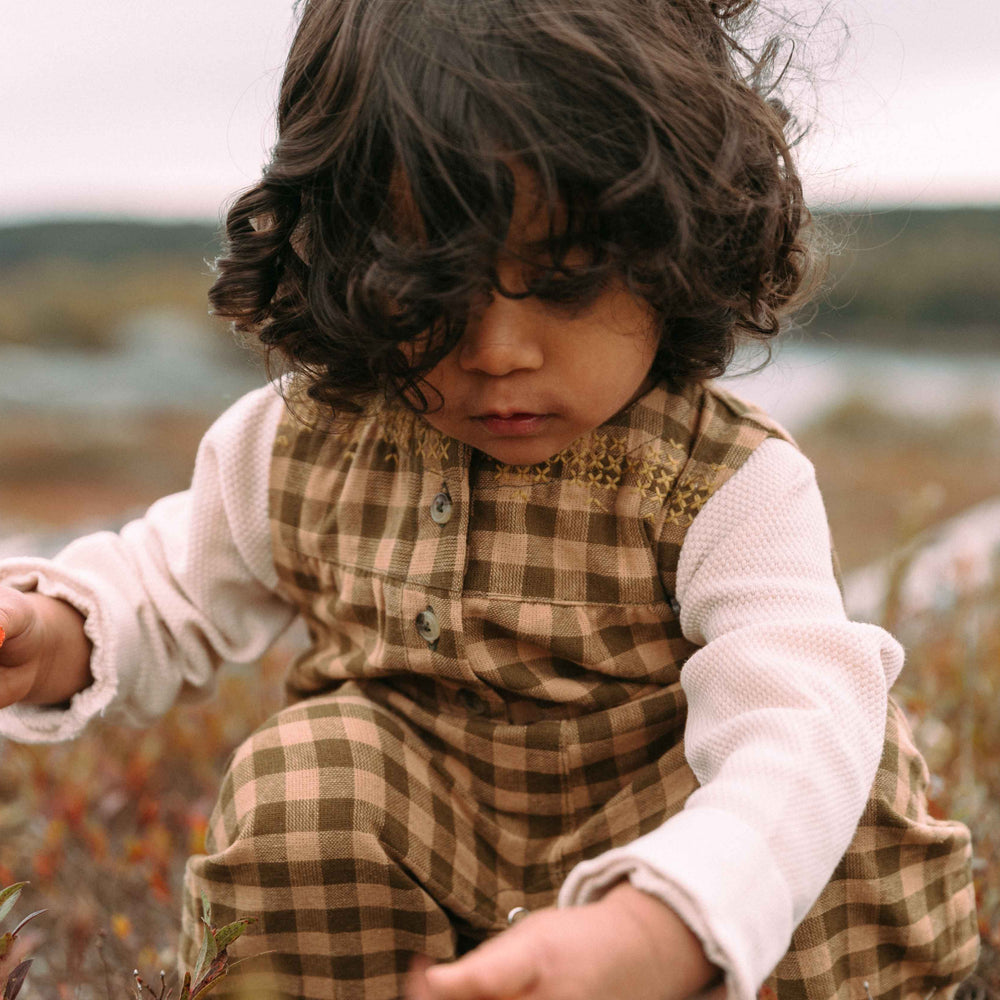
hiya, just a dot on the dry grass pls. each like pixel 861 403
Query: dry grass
pixel 876 472
pixel 951 689
pixel 59 470
pixel 69 303
pixel 101 827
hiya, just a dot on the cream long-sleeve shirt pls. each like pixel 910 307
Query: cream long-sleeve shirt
pixel 786 697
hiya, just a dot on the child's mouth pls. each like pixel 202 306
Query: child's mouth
pixel 512 424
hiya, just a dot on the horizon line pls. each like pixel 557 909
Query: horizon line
pixel 26 219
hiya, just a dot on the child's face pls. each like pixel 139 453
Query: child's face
pixel 529 376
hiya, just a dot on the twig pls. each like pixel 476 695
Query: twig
pixel 104 962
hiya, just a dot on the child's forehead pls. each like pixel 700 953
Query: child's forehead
pixel 536 217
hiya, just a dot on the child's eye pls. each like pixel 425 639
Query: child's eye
pixel 575 290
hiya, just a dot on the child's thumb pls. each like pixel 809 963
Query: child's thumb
pixel 18 664
pixel 16 618
pixel 500 969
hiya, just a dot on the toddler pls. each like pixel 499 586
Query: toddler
pixel 578 652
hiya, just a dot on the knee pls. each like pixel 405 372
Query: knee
pixel 313 783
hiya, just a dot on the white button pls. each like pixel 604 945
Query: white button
pixel 441 507
pixel 428 627
pixel 518 913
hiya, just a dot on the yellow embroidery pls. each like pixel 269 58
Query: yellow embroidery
pixel 405 433
pixel 658 468
pixel 661 470
pixel 520 475
pixel 602 462
pixel 691 494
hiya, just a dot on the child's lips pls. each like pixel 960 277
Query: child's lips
pixel 513 424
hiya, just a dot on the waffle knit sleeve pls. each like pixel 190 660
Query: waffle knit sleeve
pixel 176 592
pixel 786 718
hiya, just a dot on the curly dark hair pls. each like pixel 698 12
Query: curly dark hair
pixel 646 121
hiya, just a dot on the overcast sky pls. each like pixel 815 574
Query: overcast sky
pixel 129 107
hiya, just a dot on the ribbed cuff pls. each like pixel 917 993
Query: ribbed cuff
pixel 39 724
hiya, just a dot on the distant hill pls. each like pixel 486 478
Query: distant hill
pixel 912 277
pixel 100 242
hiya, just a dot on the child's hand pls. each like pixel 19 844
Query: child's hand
pixel 44 654
pixel 628 945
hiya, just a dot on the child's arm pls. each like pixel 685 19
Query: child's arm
pixel 44 653
pixel 626 945
pixel 189 585
pixel 787 703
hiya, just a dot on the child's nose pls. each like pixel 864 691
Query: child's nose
pixel 499 339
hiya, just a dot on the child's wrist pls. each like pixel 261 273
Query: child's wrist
pixel 672 945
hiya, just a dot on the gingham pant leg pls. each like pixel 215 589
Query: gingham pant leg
pixel 314 836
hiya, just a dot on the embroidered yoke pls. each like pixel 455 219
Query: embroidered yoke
pixel 492 695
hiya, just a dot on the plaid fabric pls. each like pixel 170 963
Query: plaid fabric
pixel 552 582
pixel 493 695
pixel 369 825
pixel 898 917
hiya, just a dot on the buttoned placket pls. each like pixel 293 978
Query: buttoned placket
pixel 444 512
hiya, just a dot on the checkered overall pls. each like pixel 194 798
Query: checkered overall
pixel 492 695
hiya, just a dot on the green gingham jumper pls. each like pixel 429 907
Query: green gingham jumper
pixel 492 695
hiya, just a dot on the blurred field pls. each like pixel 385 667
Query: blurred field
pixel 902 277
pixel 60 470
pixel 885 476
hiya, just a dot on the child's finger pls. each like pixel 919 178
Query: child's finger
pixel 17 673
pixel 15 615
pixel 501 969
pixel 416 980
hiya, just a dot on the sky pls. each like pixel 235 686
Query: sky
pixel 124 108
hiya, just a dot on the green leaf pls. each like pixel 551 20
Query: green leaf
pixel 16 979
pixel 209 950
pixel 186 988
pixel 6 940
pixel 206 909
pixel 225 936
pixel 8 897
